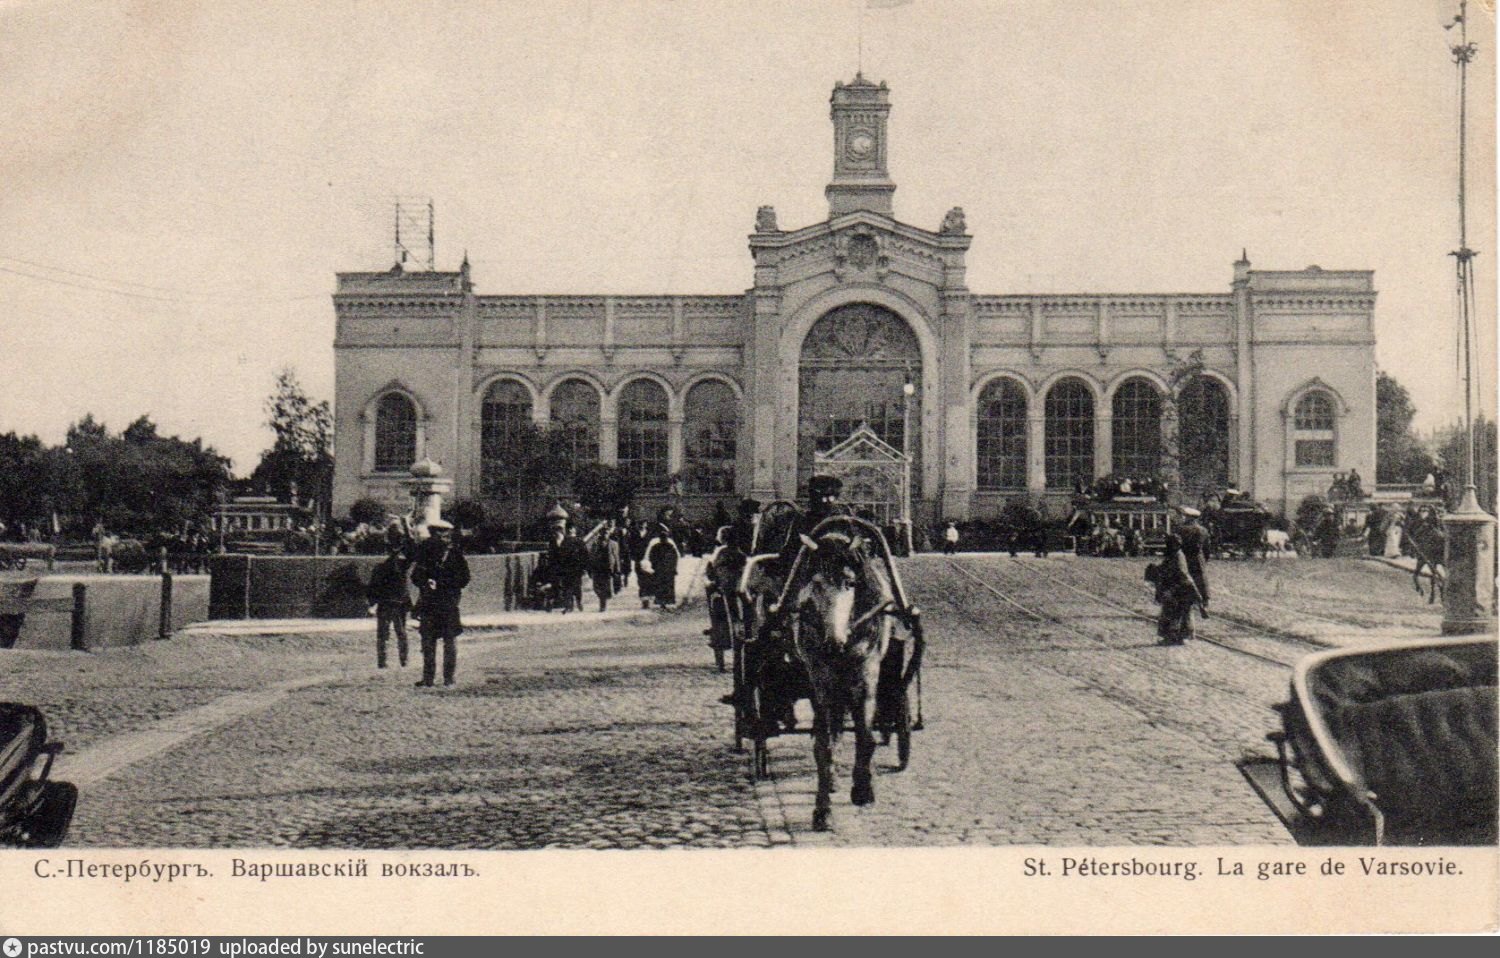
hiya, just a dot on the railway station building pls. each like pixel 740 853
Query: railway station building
pixel 860 320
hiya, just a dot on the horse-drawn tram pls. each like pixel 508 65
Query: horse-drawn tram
pixel 824 630
pixel 1387 746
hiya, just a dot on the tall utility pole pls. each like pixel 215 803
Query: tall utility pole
pixel 1469 598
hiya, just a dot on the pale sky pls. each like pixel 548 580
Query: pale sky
pixel 182 179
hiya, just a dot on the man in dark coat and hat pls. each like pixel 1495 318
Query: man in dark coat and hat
pixel 440 574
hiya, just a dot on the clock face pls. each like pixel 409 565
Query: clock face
pixel 861 145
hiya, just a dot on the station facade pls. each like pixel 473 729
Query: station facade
pixel 861 320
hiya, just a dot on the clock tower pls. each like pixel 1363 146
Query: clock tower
pixel 860 180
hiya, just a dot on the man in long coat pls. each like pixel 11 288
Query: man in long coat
pixel 1194 539
pixel 440 574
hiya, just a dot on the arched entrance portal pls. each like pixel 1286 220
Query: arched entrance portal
pixel 854 364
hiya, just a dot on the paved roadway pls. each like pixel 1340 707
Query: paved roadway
pixel 1052 718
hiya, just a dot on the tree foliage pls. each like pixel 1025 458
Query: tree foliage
pixel 137 481
pixel 1453 456
pixel 1400 457
pixel 301 457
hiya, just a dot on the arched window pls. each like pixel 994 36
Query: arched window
pixel 395 433
pixel 1136 430
pixel 575 414
pixel 1069 450
pixel 1203 435
pixel 1001 440
pixel 1313 421
pixel 503 418
pixel 711 425
pixel 642 450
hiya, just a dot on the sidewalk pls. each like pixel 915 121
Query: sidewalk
pixel 625 608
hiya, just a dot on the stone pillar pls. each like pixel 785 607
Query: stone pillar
pixel 609 440
pixel 676 456
pixel 1469 593
pixel 764 386
pixel 1243 446
pixel 957 449
pixel 427 486
pixel 1104 440
pixel 1036 446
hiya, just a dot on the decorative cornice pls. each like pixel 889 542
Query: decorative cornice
pixel 1281 302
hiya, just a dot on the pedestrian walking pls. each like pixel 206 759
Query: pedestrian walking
pixel 1175 591
pixel 389 598
pixel 575 565
pixel 440 574
pixel 658 571
pixel 1194 541
pixel 950 539
pixel 604 563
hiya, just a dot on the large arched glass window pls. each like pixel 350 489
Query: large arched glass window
pixel 711 425
pixel 1001 440
pixel 1069 449
pixel 503 417
pixel 1313 420
pixel 1203 436
pixel 1136 430
pixel 575 414
pixel 395 433
pixel 642 449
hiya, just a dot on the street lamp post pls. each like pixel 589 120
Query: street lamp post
pixel 908 390
pixel 1469 596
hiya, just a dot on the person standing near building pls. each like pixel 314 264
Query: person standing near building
pixel 390 598
pixel 1194 542
pixel 658 571
pixel 950 539
pixel 440 574
pixel 575 565
pixel 604 563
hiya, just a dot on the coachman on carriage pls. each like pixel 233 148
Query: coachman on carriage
pixel 811 617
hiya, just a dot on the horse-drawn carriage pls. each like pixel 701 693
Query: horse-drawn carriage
pixel 1238 530
pixel 1394 745
pixel 810 617
pixel 35 812
pixel 1122 525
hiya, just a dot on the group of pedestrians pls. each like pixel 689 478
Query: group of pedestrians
pixel 437 568
pixel 608 555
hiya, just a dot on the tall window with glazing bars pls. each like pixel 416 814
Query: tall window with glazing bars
pixel 395 433
pixel 1136 430
pixel 1069 430
pixel 642 450
pixel 504 416
pixel 575 415
pixel 1002 436
pixel 711 425
pixel 1314 422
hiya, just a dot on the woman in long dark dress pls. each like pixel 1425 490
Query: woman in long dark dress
pixel 1176 592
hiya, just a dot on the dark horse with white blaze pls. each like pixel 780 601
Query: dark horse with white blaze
pixel 839 601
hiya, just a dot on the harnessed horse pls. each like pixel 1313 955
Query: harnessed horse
pixel 1426 540
pixel 836 606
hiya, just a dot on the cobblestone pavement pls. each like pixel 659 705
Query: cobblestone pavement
pixel 610 735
